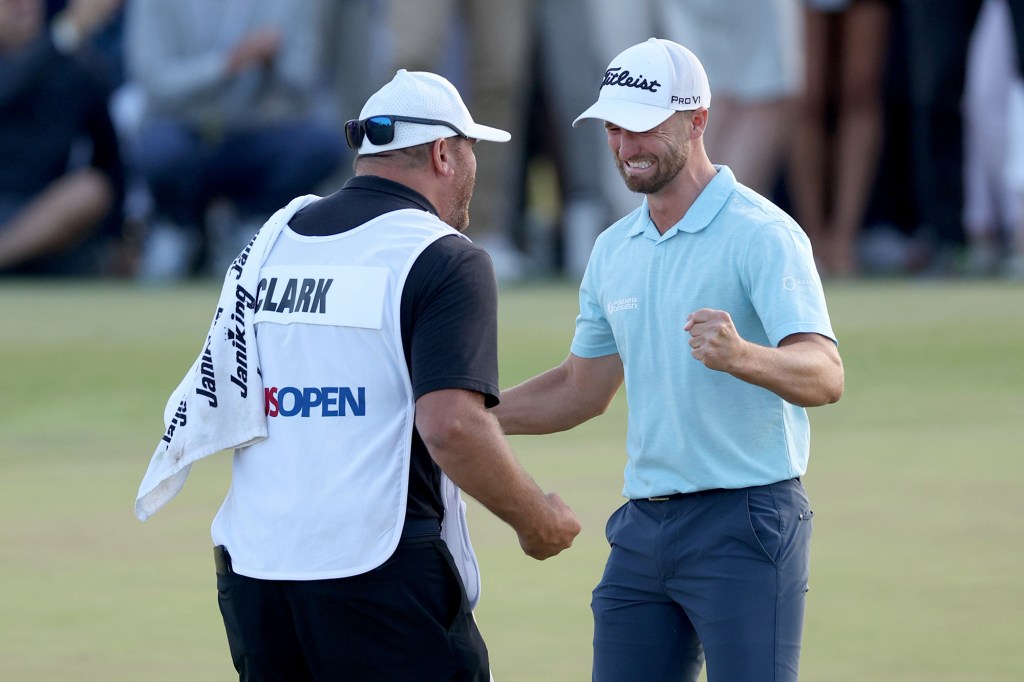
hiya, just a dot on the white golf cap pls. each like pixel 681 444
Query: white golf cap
pixel 420 94
pixel 646 83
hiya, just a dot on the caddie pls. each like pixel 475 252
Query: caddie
pixel 342 549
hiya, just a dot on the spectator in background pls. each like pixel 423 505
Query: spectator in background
pixel 230 88
pixel 1013 265
pixel 617 25
pixel 575 39
pixel 497 40
pixel 938 36
pixel 839 131
pixel 754 52
pixel 58 212
pixel 105 42
pixel 356 51
pixel 993 215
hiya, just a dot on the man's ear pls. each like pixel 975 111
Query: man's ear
pixel 699 120
pixel 441 157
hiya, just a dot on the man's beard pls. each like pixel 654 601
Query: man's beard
pixel 668 168
pixel 457 214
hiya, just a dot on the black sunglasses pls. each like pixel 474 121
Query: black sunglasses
pixel 380 130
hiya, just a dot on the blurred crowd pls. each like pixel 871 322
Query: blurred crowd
pixel 150 139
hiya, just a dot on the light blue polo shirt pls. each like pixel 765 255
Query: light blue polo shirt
pixel 690 427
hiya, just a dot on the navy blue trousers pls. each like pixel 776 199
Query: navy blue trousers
pixel 260 170
pixel 720 576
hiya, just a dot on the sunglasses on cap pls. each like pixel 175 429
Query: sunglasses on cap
pixel 380 130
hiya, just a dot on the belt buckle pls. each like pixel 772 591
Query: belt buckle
pixel 660 498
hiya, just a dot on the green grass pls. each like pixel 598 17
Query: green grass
pixel 915 477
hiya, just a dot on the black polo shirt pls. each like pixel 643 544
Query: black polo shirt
pixel 448 312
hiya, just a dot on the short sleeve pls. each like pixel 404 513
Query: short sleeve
pixel 784 284
pixel 593 337
pixel 451 326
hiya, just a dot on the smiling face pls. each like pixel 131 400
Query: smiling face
pixel 651 160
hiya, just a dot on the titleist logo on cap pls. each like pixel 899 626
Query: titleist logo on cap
pixel 647 83
pixel 616 76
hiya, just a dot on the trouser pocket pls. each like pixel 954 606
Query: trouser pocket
pixel 780 518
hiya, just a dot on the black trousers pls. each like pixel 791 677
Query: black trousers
pixel 406 620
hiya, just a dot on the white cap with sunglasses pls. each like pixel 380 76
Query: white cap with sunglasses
pixel 415 107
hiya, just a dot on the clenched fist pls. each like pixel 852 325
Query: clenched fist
pixel 714 340
pixel 552 533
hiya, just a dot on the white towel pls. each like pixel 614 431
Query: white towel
pixel 455 533
pixel 219 404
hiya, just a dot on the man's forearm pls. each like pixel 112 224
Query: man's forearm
pixel 561 398
pixel 479 461
pixel 473 452
pixel 542 404
pixel 804 373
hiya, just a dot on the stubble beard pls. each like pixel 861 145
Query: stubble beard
pixel 458 207
pixel 669 167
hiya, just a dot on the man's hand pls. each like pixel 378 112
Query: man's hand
pixel 90 15
pixel 464 438
pixel 550 536
pixel 805 369
pixel 259 48
pixel 714 340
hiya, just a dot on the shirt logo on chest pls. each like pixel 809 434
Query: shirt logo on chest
pixel 619 304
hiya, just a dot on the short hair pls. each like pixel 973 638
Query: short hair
pixel 410 157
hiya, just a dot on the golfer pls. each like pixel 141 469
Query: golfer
pixel 706 302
